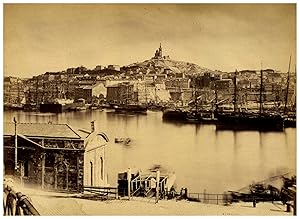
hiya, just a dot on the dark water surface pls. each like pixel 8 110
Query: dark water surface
pixel 201 157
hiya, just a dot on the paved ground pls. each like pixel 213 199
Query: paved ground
pixel 48 203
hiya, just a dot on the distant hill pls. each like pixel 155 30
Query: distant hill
pixel 176 66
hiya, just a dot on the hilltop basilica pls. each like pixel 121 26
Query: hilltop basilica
pixel 159 55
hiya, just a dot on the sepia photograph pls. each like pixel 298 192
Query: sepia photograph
pixel 139 109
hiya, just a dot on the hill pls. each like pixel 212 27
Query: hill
pixel 175 66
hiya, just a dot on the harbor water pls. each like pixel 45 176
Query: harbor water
pixel 201 157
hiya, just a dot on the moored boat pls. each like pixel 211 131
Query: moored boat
pixel 175 114
pixel 250 121
pixel 130 108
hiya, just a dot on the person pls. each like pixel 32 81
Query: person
pixel 142 190
pixel 254 202
pixel 172 193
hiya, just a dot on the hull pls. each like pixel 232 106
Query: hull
pixel 187 117
pixel 290 122
pixel 130 108
pixel 51 108
pixel 201 118
pixel 174 115
pixel 244 122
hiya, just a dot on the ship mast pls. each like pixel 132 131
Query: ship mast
pixel 216 97
pixel 234 98
pixel 260 92
pixel 287 87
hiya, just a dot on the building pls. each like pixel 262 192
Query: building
pixel 95 143
pixel 99 68
pixel 90 92
pixel 120 93
pixel 223 84
pixel 114 67
pixel 178 83
pixel 49 156
pixel 13 90
pixel 158 53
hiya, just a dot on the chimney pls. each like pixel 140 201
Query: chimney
pixel 93 126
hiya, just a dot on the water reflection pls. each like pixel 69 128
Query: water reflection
pixel 200 156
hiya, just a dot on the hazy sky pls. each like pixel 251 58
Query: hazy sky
pixel 53 37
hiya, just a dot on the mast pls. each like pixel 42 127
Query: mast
pixel 18 97
pixel 260 92
pixel 146 93
pixel 287 87
pixel 216 97
pixel 295 91
pixel 36 91
pixel 234 97
pixel 196 99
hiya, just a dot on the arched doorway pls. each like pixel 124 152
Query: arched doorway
pixel 9 167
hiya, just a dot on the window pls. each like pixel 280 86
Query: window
pixel 101 168
pixel 91 163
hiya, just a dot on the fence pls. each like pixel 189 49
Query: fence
pixel 103 192
pixel 218 199
pixel 16 203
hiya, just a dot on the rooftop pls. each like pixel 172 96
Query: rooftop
pixel 41 130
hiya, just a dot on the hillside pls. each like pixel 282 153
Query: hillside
pixel 175 66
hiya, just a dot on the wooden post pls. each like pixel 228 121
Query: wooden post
pixel 129 182
pixel 55 177
pixel 78 173
pixel 43 170
pixel 67 177
pixel 16 144
pixel 22 173
pixel 295 205
pixel 157 185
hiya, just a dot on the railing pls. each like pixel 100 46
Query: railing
pixel 104 192
pixel 211 198
pixel 16 203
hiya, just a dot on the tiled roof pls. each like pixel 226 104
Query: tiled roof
pixel 41 130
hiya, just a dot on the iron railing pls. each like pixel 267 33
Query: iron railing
pixel 16 203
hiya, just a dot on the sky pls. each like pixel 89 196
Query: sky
pixel 53 37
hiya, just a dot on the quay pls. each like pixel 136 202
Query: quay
pixel 55 204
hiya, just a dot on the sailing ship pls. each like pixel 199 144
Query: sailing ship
pixel 289 115
pixel 239 121
pixel 127 105
pixel 192 113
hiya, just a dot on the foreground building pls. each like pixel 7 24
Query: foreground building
pixel 52 156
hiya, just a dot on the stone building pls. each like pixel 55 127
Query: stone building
pixel 88 92
pixel 120 93
pixel 95 143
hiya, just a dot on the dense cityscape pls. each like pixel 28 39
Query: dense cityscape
pixel 156 81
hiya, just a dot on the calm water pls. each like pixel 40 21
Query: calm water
pixel 201 157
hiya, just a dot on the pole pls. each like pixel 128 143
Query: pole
pixel 43 170
pixel 260 92
pixel 234 97
pixel 129 182
pixel 16 144
pixel 157 185
pixel 287 87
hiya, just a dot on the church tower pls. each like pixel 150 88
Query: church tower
pixel 160 51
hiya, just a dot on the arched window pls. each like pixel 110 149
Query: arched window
pixel 26 168
pixel 101 168
pixel 91 163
